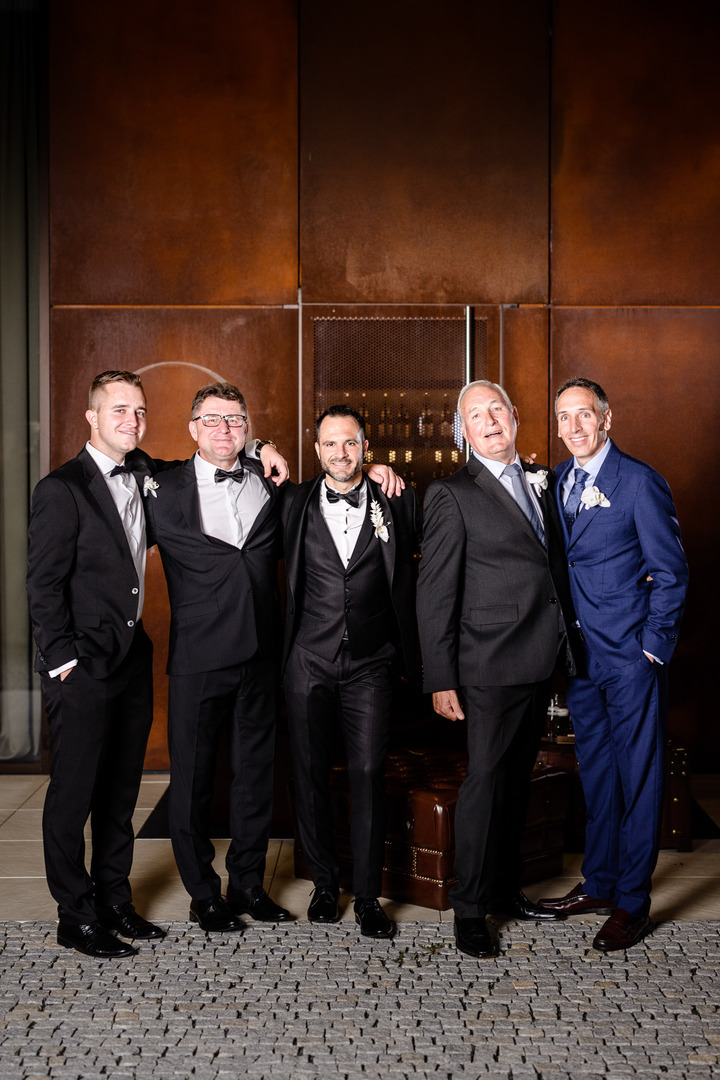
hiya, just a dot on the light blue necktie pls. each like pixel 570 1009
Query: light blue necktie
pixel 522 498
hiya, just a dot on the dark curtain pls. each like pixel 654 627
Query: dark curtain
pixel 22 75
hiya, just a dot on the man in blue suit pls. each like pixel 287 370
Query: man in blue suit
pixel 628 577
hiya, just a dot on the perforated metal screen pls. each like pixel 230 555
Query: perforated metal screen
pixel 403 376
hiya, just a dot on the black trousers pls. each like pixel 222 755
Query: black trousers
pixel 355 695
pixel 244 697
pixel 504 727
pixel 98 734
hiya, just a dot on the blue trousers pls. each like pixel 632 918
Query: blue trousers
pixel 620 720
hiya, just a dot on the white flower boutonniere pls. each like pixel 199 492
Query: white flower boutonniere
pixel 376 516
pixel 150 485
pixel 538 479
pixel 593 496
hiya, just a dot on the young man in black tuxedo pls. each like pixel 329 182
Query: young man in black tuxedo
pixel 494 611
pixel 85 583
pixel 348 555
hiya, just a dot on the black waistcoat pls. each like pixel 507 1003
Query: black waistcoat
pixel 336 601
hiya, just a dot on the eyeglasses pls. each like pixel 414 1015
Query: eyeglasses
pixel 212 420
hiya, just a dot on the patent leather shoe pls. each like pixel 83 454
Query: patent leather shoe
pixel 474 937
pixel 124 920
pixel 621 931
pixel 257 903
pixel 93 940
pixel 324 905
pixel 576 902
pixel 519 906
pixel 371 918
pixel 214 916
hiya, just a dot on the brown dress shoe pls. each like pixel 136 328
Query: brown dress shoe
pixel 576 902
pixel 621 931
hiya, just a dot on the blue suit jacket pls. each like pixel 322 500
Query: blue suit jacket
pixel 611 553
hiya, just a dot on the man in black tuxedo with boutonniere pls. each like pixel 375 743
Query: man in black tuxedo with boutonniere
pixel 86 571
pixel 349 554
pixel 494 614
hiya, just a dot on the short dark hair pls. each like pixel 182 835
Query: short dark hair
pixel 224 390
pixel 341 410
pixel 105 377
pixel 586 384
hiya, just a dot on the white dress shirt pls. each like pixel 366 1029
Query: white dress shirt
pixel 591 467
pixel 344 521
pixel 228 509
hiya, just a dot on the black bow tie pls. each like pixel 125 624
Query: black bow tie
pixel 120 469
pixel 223 474
pixel 352 498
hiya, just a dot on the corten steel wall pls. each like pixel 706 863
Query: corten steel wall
pixel 173 223
pixel 557 160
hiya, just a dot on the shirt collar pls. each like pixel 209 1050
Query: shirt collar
pixel 359 484
pixel 497 468
pixel 104 463
pixel 205 470
pixel 595 464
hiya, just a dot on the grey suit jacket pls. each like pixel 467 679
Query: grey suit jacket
pixel 489 593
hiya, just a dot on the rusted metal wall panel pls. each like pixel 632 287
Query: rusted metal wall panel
pixel 424 152
pixel 636 152
pixel 173 152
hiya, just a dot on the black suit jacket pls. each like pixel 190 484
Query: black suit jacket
pixel 81 582
pixel 223 599
pixel 489 593
pixel 398 559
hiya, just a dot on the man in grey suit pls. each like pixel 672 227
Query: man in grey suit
pixel 493 608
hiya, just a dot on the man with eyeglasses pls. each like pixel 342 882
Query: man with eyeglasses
pixel 215 519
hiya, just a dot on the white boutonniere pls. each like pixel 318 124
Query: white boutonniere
pixel 150 485
pixel 538 479
pixel 593 496
pixel 376 516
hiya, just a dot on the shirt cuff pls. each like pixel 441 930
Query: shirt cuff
pixel 59 670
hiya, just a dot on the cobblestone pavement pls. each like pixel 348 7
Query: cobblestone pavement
pixel 302 1001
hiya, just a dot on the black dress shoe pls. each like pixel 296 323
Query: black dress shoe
pixel 474 937
pixel 519 907
pixel 92 939
pixel 123 919
pixel 621 931
pixel 257 903
pixel 371 918
pixel 576 902
pixel 214 916
pixel 324 905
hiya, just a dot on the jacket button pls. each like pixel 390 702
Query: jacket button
pixel 130 622
pixel 135 592
pixel 572 563
pixel 553 599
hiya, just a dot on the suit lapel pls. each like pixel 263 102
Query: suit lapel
pixel 375 494
pixel 97 486
pixel 607 480
pixel 492 486
pixel 188 499
pixel 252 466
pixel 295 529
